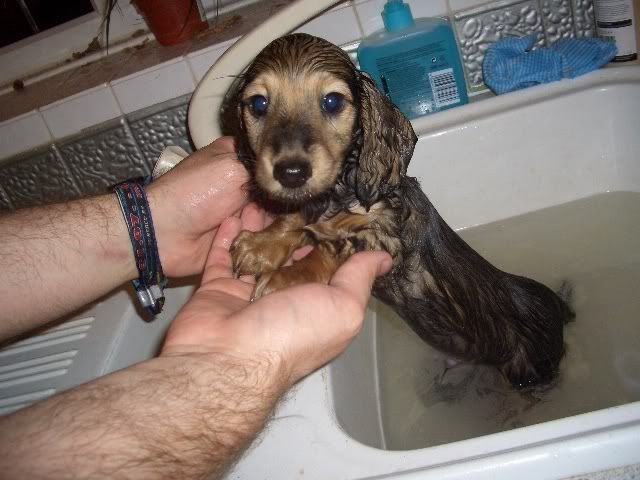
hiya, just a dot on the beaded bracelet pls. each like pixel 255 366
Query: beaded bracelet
pixel 137 215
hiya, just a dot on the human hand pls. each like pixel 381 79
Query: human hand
pixel 190 201
pixel 290 332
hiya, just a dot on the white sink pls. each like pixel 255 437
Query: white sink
pixel 483 163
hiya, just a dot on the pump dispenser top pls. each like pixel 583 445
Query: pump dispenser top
pixel 414 62
pixel 397 15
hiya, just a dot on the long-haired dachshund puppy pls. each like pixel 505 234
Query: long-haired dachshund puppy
pixel 328 155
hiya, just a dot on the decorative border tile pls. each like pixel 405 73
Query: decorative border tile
pixel 38 179
pixel 583 18
pixel 557 18
pixel 156 129
pixel 107 156
pixel 91 162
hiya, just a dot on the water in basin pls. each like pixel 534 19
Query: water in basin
pixel 595 244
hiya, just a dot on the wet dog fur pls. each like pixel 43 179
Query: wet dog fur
pixel 328 155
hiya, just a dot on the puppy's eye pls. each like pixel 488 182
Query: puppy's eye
pixel 333 103
pixel 258 105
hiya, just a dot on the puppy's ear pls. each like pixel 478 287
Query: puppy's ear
pixel 387 145
pixel 231 121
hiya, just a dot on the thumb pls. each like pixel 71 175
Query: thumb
pixel 356 276
pixel 219 263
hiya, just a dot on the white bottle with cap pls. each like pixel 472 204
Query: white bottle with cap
pixel 616 20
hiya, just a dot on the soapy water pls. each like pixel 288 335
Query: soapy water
pixel 427 399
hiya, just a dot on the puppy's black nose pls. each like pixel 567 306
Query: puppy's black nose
pixel 292 173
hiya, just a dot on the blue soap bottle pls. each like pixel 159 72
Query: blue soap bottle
pixel 415 62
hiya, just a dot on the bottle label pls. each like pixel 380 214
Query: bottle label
pixel 615 21
pixel 420 80
pixel 444 88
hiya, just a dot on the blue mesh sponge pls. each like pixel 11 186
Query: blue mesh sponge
pixel 510 64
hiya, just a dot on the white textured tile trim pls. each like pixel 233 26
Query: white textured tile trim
pixel 369 11
pixel 457 5
pixel 201 61
pixel 74 114
pixel 153 85
pixel 339 25
pixel 23 133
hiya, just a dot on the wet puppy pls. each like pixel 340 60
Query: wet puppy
pixel 328 156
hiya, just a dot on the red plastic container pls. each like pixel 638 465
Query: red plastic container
pixel 171 21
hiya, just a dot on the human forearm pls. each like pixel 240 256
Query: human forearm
pixel 192 411
pixel 183 416
pixel 57 258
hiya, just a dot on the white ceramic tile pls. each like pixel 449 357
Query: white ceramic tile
pixel 201 61
pixel 345 3
pixel 369 11
pixel 22 133
pixel 430 8
pixel 457 5
pixel 338 25
pixel 74 114
pixel 153 85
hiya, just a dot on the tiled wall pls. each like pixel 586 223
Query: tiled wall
pixel 91 140
pixel 92 162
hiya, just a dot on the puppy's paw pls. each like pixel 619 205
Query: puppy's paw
pixel 270 282
pixel 303 271
pixel 254 253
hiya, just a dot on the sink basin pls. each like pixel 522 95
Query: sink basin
pixel 544 182
pixel 548 189
pixel 420 398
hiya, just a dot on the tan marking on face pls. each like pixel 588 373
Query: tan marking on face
pixel 296 126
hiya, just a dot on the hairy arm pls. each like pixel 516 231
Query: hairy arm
pixel 177 416
pixel 57 258
pixel 192 411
